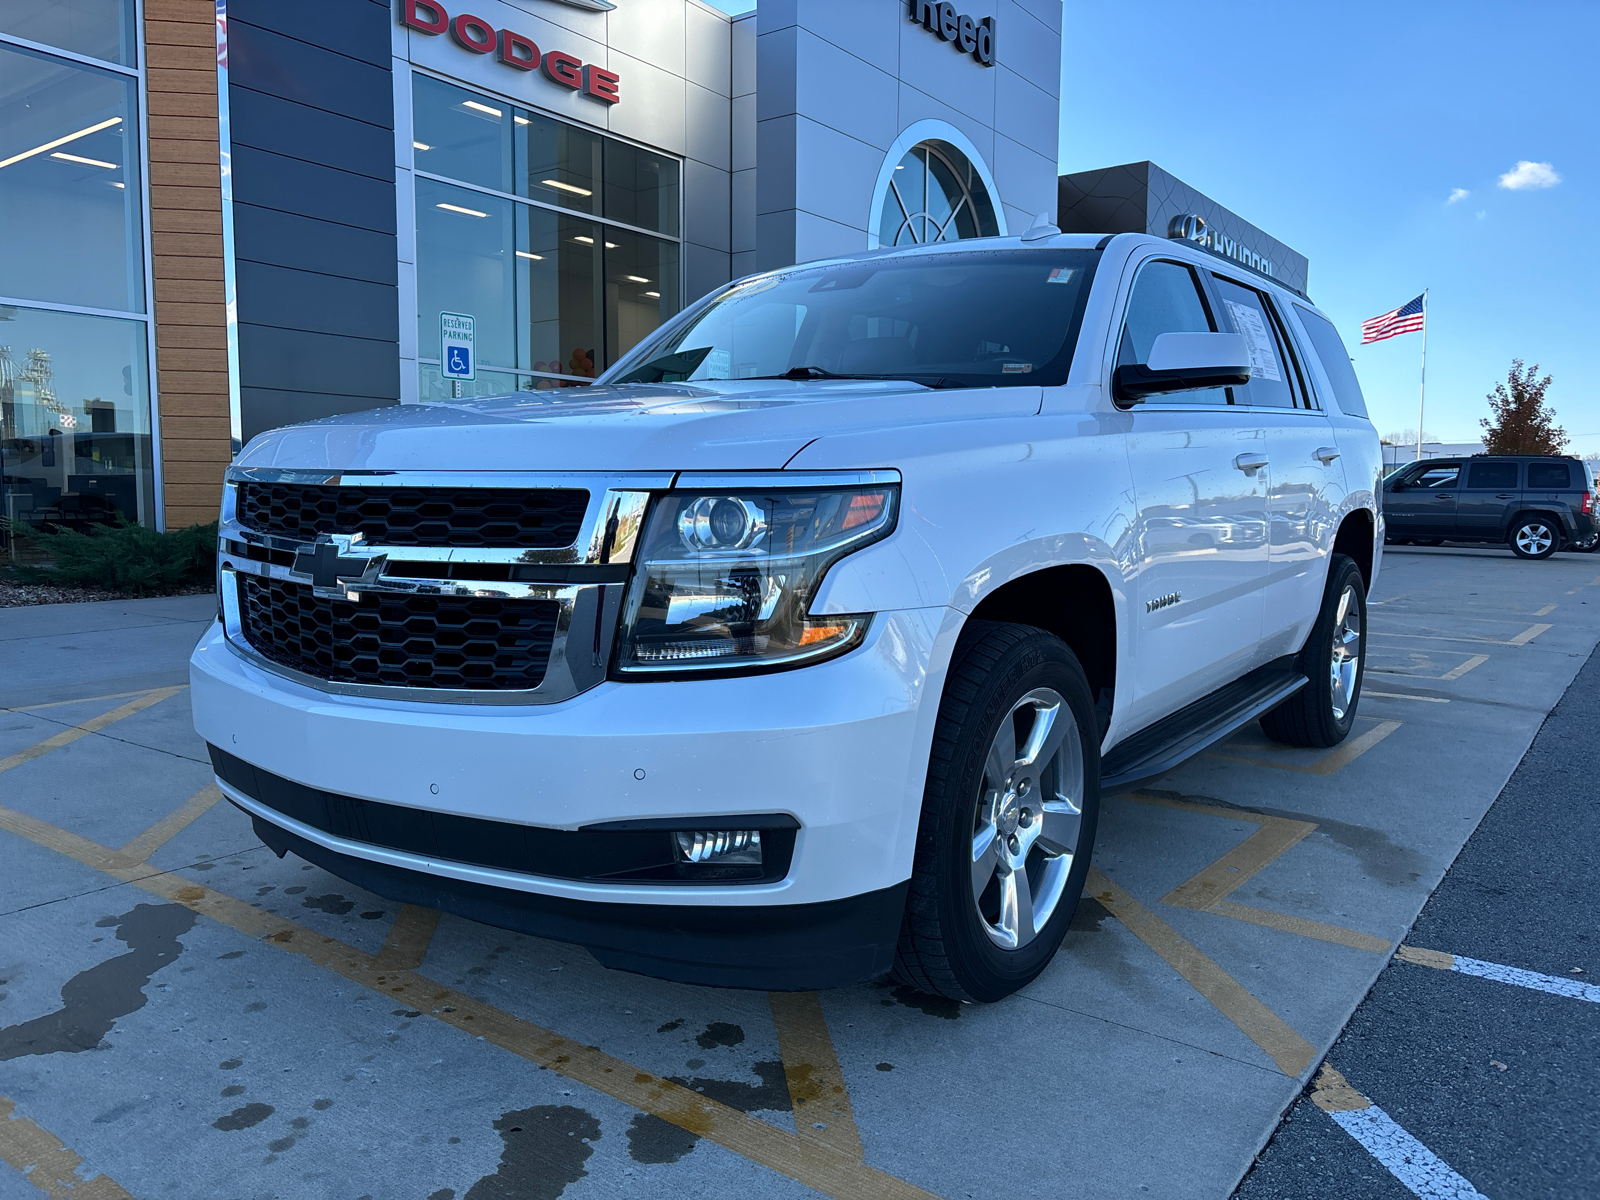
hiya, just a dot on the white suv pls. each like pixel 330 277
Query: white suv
pixel 803 645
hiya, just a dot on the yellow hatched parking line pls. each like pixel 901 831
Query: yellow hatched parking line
pixel 93 725
pixel 1291 1052
pixel 816 1163
pixel 46 1162
pixel 1334 760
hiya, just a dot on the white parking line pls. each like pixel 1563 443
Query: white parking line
pixel 1573 989
pixel 1422 1171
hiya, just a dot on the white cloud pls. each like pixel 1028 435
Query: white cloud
pixel 1526 175
pixel 1457 195
pixel 1482 214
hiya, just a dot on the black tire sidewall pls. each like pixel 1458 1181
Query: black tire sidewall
pixel 986 971
pixel 1342 572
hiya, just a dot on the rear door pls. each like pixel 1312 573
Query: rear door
pixel 1421 501
pixel 1200 543
pixel 1490 495
pixel 1305 480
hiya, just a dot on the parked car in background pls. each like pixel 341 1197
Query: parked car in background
pixel 1534 504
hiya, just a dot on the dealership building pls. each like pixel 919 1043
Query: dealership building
pixel 216 221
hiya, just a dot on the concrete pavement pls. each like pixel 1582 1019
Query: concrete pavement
pixel 232 1026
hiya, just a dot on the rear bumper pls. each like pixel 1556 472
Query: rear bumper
pixel 792 947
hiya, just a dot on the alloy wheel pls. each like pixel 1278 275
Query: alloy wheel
pixel 1345 661
pixel 1028 820
pixel 1535 538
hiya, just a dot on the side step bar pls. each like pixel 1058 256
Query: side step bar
pixel 1157 749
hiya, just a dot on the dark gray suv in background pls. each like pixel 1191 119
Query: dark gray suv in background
pixel 1534 505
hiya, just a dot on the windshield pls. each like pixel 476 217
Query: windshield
pixel 994 318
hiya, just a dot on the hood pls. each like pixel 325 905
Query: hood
pixel 726 425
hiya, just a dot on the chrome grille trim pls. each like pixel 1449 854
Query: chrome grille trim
pixel 587 618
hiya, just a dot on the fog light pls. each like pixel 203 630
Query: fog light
pixel 720 847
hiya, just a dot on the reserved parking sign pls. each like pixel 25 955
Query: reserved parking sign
pixel 456 333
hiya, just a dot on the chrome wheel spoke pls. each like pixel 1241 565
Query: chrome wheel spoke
pixel 1001 765
pixel 1058 831
pixel 1016 908
pixel 1045 738
pixel 985 857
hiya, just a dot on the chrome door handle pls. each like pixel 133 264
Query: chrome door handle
pixel 1250 462
pixel 1325 454
pixel 1503 496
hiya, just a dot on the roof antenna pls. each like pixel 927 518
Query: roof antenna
pixel 1040 229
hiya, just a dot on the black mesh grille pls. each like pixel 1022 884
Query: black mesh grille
pixel 400 641
pixel 523 518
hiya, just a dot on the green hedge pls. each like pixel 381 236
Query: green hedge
pixel 127 558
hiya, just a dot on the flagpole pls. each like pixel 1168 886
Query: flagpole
pixel 1422 399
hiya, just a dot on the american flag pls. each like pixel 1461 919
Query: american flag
pixel 1408 318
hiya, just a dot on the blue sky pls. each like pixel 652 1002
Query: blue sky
pixel 1343 130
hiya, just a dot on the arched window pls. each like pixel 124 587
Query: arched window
pixel 935 195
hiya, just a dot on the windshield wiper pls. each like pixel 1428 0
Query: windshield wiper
pixel 802 373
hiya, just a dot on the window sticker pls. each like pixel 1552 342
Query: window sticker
pixel 717 364
pixel 1263 359
pixel 1016 368
pixel 1061 275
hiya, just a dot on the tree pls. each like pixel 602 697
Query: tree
pixel 1519 422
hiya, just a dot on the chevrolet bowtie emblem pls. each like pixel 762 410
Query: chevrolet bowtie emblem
pixel 338 565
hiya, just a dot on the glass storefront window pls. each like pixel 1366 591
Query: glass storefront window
pixel 461 134
pixel 71 230
pixel 641 288
pixel 641 188
pixel 94 28
pixel 553 290
pixel 557 163
pixel 75 443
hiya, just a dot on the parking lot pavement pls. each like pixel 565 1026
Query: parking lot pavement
pixel 185 1014
pixel 1495 1072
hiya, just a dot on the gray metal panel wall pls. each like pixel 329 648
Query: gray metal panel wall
pixel 1142 198
pixel 314 208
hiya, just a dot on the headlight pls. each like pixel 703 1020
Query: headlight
pixel 725 577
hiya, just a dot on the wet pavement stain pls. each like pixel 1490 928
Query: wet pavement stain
pixel 652 1140
pixel 1090 916
pixel 933 1006
pixel 93 1000
pixel 333 904
pixel 545 1149
pixel 770 1095
pixel 670 1026
pixel 719 1033
pixel 244 1118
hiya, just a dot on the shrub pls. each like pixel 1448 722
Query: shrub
pixel 132 559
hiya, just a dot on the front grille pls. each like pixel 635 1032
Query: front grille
pixel 399 640
pixel 516 518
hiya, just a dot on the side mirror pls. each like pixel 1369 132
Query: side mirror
pixel 1397 486
pixel 1185 362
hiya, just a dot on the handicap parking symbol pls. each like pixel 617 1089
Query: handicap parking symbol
pixel 460 361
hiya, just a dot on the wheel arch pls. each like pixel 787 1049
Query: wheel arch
pixel 1357 538
pixel 1074 601
pixel 1522 514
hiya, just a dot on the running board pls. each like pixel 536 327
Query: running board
pixel 1157 749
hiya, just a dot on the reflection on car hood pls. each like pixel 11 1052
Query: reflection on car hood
pixel 732 425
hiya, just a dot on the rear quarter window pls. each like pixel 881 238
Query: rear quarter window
pixel 1335 361
pixel 1502 476
pixel 1549 477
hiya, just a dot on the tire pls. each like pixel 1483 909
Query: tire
pixel 1334 659
pixel 1534 537
pixel 1005 681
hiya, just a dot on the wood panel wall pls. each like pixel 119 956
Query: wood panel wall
pixel 186 246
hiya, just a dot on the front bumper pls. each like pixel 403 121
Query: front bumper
pixel 841 747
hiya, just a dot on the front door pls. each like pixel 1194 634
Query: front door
pixel 1423 505
pixel 1200 544
pixel 1492 489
